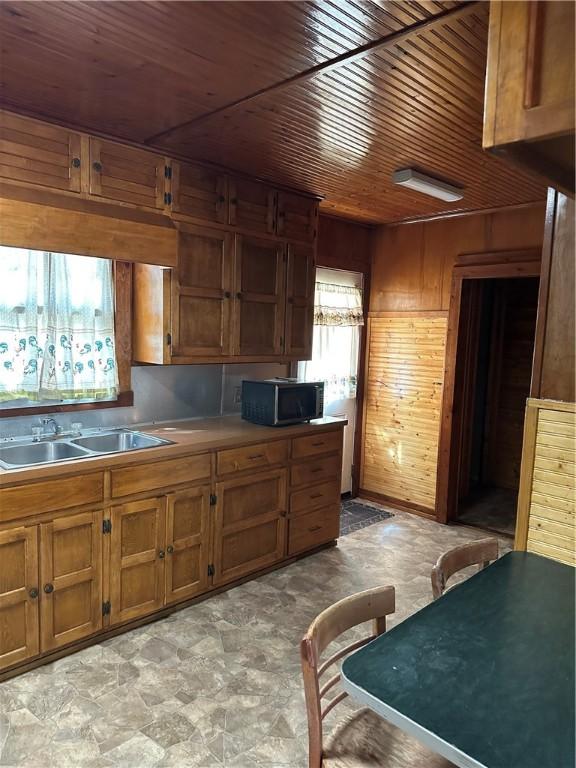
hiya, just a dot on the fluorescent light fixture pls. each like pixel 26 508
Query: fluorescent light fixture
pixel 428 185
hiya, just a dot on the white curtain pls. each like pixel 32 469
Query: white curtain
pixel 56 327
pixel 337 320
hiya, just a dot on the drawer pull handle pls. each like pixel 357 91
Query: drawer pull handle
pixel 256 456
pixel 318 444
pixel 48 588
pixel 315 528
pixel 316 495
pixel 316 469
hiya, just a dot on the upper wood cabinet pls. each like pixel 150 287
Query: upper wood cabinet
pixel 260 295
pixel 39 154
pixel 529 109
pixel 201 294
pixel 19 592
pixel 199 192
pixel 70 578
pixel 127 175
pixel 300 283
pixel 297 217
pixel 252 206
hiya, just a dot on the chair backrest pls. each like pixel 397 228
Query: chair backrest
pixel 372 605
pixel 479 553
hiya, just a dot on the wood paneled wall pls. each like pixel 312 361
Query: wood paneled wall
pixel 402 406
pixel 410 283
pixel 515 307
pixel 546 505
pixel 554 356
pixel 343 245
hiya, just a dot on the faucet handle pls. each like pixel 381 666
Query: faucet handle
pixel 36 434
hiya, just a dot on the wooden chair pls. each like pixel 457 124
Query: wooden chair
pixel 479 553
pixel 363 739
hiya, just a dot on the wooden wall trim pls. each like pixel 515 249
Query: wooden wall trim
pixel 63 230
pixel 543 293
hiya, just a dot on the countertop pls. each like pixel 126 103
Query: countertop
pixel 188 437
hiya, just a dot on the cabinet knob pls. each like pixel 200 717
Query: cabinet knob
pixel 33 593
pixel 97 166
pixel 161 554
pixel 238 295
pixel 169 549
pixel 75 162
pixel 48 588
pixel 227 294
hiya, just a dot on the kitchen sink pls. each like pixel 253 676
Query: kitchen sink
pixel 113 442
pixel 39 453
pixel 26 452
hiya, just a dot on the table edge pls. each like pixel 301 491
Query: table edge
pixel 409 726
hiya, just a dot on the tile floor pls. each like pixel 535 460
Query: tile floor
pixel 217 684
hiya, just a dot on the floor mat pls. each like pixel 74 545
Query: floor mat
pixel 355 515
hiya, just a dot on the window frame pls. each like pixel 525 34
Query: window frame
pixel 122 271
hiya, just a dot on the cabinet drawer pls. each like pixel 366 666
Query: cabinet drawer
pixel 324 468
pixel 312 445
pixel 149 477
pixel 313 529
pixel 317 496
pixel 252 457
pixel 64 493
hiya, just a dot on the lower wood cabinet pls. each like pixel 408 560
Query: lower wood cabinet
pixel 70 578
pixel 250 525
pixel 19 637
pixel 137 553
pixel 69 575
pixel 188 542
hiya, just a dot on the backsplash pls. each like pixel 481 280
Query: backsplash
pixel 163 393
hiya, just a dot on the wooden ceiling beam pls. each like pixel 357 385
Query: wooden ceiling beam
pixel 453 14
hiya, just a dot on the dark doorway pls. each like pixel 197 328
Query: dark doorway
pixel 493 370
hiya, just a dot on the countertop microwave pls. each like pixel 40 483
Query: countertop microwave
pixel 277 402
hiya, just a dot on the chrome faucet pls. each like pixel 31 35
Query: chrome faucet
pixel 56 429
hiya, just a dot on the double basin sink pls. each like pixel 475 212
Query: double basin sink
pixel 28 453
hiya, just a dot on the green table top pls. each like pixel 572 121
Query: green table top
pixel 485 674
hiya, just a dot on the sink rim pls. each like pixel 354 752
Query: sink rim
pixel 82 452
pixel 77 453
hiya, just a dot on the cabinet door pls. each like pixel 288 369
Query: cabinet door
pixel 201 299
pixel 252 206
pixel 199 192
pixel 127 175
pixel 18 595
pixel 187 554
pixel 297 217
pixel 250 526
pixel 300 282
pixel 39 154
pixel 137 559
pixel 260 297
pixel 71 578
pixel 530 80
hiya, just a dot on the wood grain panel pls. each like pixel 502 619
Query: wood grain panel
pixel 547 500
pixel 27 500
pixel 328 98
pixel 405 372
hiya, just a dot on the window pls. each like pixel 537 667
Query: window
pixel 338 317
pixel 57 340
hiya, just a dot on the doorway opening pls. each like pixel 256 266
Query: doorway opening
pixel 494 354
pixel 338 321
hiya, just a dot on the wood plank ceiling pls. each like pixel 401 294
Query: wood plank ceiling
pixel 328 96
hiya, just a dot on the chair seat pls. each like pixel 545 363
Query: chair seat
pixel 365 739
